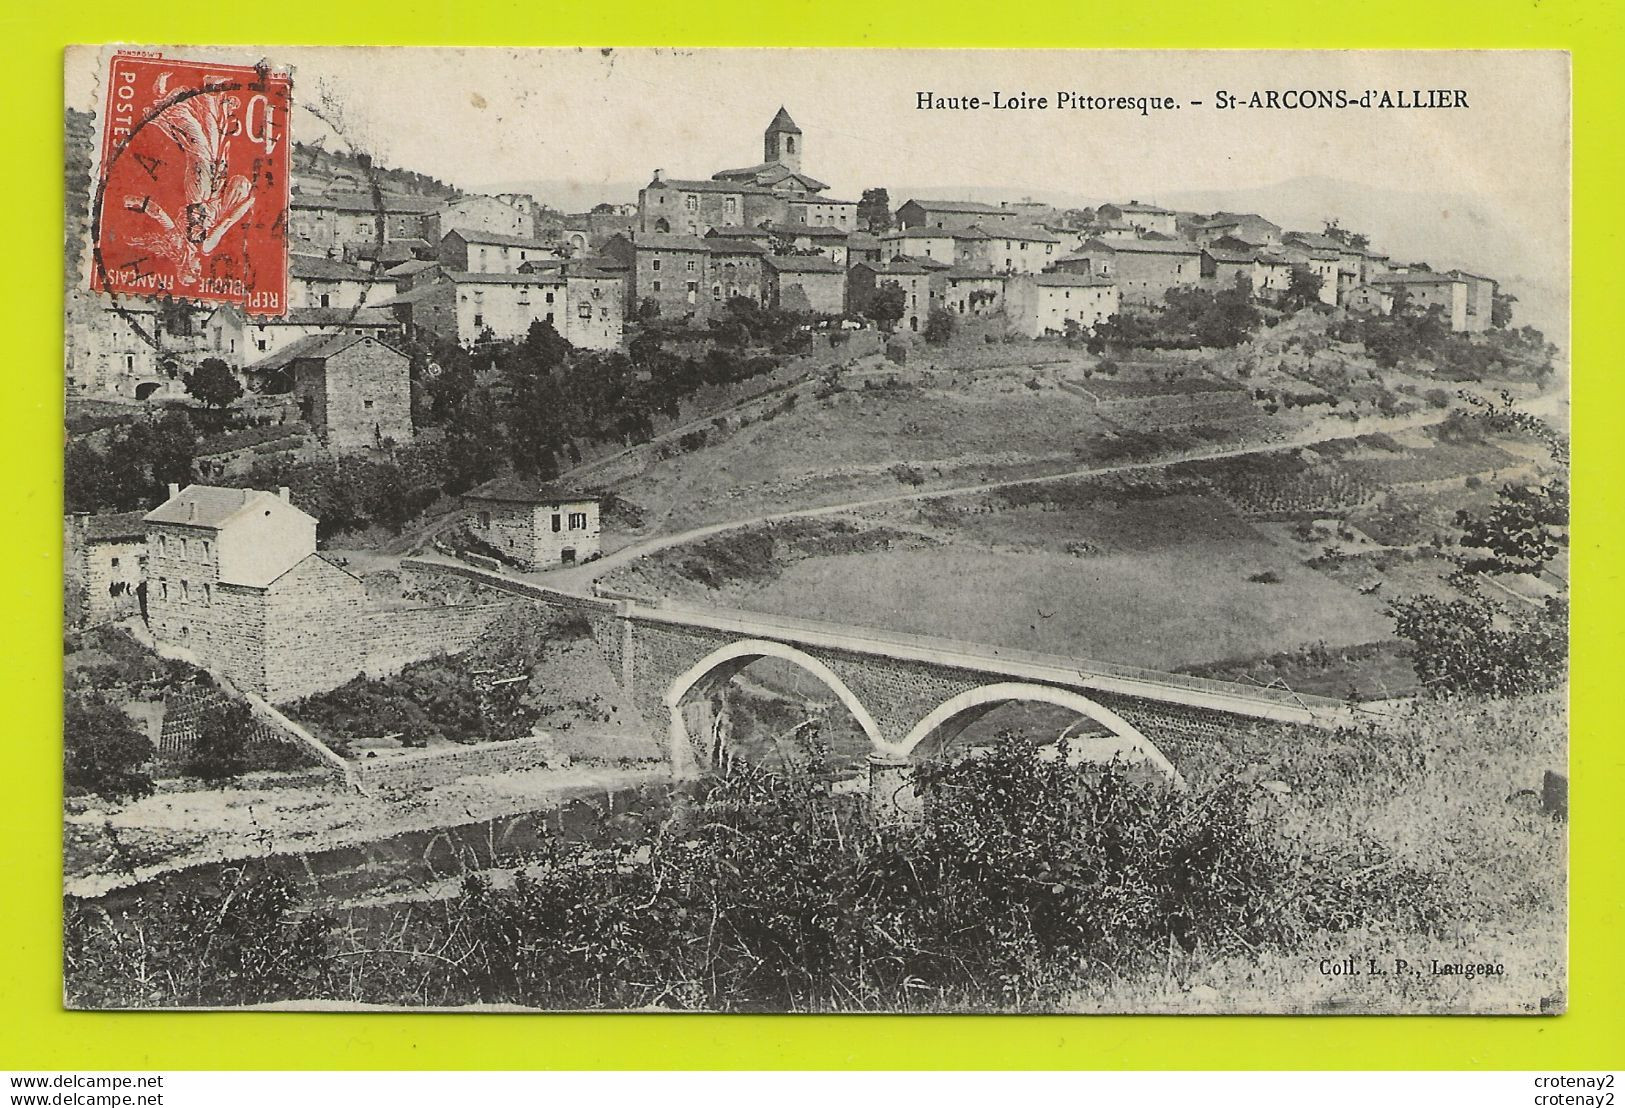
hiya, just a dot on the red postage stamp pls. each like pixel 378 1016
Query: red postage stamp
pixel 192 199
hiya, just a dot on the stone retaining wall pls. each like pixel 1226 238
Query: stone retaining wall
pixel 423 769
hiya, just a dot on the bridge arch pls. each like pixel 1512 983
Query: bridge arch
pixel 948 719
pixel 721 665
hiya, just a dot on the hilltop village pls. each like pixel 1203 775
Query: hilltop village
pixel 400 267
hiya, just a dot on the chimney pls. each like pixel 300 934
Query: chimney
pixel 660 175
pixel 174 490
pixel 282 494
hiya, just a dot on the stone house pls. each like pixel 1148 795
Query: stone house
pixel 1018 249
pixel 595 307
pixel 812 210
pixel 319 282
pixel 954 215
pixel 332 223
pixel 830 242
pixel 922 242
pixel 482 215
pixel 471 251
pixel 669 270
pixel 916 278
pixel 1369 300
pixel 1142 217
pixel 1347 258
pixel 805 283
pixel 1252 229
pixel 354 391
pixel 241 341
pixel 1043 303
pixel 678 206
pixel 861 246
pixel 735 267
pixel 1143 269
pixel 462 307
pixel 105 565
pixel 1480 299
pixel 205 540
pixel 1423 291
pixel 534 525
pixel 970 292
pixel 1322 261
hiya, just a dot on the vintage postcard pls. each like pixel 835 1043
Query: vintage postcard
pixel 816 530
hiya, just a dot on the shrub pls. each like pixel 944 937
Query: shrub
pixel 104 752
pixel 221 749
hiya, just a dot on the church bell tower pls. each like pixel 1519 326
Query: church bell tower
pixel 781 142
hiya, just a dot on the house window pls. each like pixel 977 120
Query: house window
pixel 730 204
pixel 654 265
pixel 205 550
pixel 129 363
pixel 549 298
pixel 585 311
pixel 115 562
pixel 692 265
pixel 163 588
pixel 578 521
pixel 656 286
pixel 207 598
pixel 183 549
pixel 163 546
pixel 485 520
pixel 691 203
pixel 557 521
pixel 186 589
pixel 716 292
pixel 367 404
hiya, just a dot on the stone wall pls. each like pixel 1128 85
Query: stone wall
pixel 423 769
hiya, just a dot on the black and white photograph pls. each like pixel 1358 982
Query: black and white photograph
pixel 816 530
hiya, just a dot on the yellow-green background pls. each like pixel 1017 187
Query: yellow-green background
pixel 36 1033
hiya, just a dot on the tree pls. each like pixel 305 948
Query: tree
pixel 104 752
pixel 1466 646
pixel 885 307
pixel 1524 529
pixel 220 750
pixel 1304 289
pixel 213 383
pixel 939 325
pixel 874 210
pixel 1501 309
pixel 545 347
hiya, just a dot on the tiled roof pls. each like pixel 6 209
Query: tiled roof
pixel 961 274
pixel 820 200
pixel 665 240
pixel 115 526
pixel 367 315
pixel 207 505
pixel 410 269
pixel 1417 279
pixel 783 122
pixel 735 246
pixel 1030 234
pixel 690 185
pixel 494 238
pixel 1136 206
pixel 1231 257
pixel 921 233
pixel 309 267
pixel 319 347
pixel 738 231
pixel 522 491
pixel 807 230
pixel 800 263
pixel 1144 246
pixel 962 207
pixel 1072 280
pixel 465 277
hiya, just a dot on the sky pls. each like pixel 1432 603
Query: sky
pixel 606 119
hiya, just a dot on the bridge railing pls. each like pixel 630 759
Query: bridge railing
pixel 977 654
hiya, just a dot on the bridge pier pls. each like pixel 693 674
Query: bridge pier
pixel 892 797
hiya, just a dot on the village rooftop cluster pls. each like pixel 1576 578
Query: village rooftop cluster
pixel 393 269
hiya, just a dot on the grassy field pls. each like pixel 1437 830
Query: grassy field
pixel 879 434
pixel 1164 581
pixel 1450 789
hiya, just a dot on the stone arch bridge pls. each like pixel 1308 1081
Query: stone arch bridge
pixel 908 693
